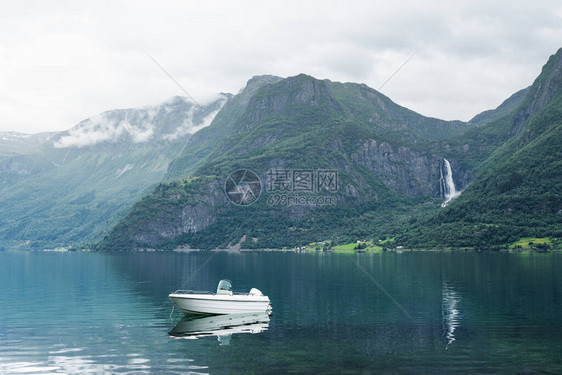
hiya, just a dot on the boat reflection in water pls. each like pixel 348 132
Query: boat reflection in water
pixel 222 326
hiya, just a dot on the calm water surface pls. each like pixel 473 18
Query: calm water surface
pixel 422 313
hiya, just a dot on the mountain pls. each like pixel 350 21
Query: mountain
pixel 14 143
pixel 355 158
pixel 70 187
pixel 206 140
pixel 287 162
pixel 518 191
pixel 504 109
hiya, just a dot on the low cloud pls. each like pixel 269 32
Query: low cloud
pixel 102 128
pixel 189 126
pixel 142 124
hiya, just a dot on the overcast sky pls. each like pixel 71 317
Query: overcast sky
pixel 63 61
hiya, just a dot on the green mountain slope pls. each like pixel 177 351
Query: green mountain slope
pixel 507 107
pixel 71 187
pixel 202 143
pixel 377 149
pixel 519 190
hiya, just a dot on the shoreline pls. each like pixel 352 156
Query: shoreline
pixel 292 250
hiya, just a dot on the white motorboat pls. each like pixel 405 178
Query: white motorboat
pixel 224 301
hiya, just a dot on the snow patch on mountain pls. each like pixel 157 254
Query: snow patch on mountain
pixel 126 168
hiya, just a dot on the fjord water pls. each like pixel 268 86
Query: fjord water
pixel 332 313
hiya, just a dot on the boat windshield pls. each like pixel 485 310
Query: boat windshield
pixel 225 287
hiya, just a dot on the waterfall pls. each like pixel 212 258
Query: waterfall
pixel 448 189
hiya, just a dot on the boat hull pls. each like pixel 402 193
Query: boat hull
pixel 214 304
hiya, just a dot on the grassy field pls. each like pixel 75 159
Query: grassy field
pixel 355 251
pixel 391 240
pixel 351 246
pixel 529 242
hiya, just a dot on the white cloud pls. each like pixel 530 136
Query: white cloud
pixel 66 61
pixel 206 121
pixel 138 125
pixel 190 126
pixel 102 128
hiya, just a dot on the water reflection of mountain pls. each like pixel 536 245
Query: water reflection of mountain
pixel 222 326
